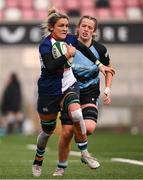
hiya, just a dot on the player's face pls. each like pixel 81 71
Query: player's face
pixel 86 29
pixel 60 29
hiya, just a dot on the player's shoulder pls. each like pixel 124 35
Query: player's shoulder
pixel 69 35
pixel 46 41
pixel 71 39
pixel 45 45
pixel 99 46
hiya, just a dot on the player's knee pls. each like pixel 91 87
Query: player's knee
pixel 70 99
pixel 90 130
pixel 48 126
pixel 90 126
pixel 76 115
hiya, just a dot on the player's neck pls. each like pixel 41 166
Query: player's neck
pixel 85 41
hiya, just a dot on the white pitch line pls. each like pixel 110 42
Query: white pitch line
pixel 33 147
pixel 75 153
pixel 130 161
pixel 78 154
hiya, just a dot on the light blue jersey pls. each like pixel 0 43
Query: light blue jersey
pixel 86 72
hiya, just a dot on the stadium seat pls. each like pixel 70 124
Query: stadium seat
pixel 117 3
pixel 26 4
pixel 89 11
pixel 2 4
pixel 119 13
pixel 12 14
pixel 141 4
pixel 41 15
pixel 87 4
pixel 132 3
pixel 28 14
pixel 103 13
pixel 11 3
pixel 102 3
pixel 134 13
pixel 1 15
pixel 58 4
pixel 72 4
pixel 41 4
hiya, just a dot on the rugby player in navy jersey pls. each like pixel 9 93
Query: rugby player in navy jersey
pixel 87 75
pixel 58 90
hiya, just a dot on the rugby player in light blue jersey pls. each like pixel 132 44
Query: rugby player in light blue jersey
pixel 87 74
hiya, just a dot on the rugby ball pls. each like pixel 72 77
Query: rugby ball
pixel 58 49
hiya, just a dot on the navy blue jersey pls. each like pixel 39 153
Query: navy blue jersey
pixel 86 71
pixel 55 79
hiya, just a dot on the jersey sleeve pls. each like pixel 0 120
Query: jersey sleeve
pixel 49 62
pixel 103 53
pixel 105 56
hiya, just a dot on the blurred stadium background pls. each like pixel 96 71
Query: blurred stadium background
pixel 120 28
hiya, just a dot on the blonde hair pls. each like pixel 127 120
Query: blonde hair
pixel 51 20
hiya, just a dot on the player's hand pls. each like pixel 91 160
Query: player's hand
pixel 70 51
pixel 107 96
pixel 104 69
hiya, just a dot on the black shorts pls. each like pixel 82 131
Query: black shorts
pixel 86 97
pixel 89 94
pixel 48 104
pixel 51 104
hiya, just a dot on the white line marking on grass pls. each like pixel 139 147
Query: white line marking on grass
pixel 75 153
pixel 130 161
pixel 75 161
pixel 33 147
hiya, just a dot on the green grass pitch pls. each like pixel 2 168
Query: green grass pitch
pixel 16 159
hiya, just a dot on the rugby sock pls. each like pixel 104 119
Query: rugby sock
pixel 42 140
pixel 83 146
pixel 62 164
pixel 39 156
pixel 41 145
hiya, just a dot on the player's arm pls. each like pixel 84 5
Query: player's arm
pixel 52 64
pixel 49 62
pixel 106 69
pixel 105 60
pixel 108 84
